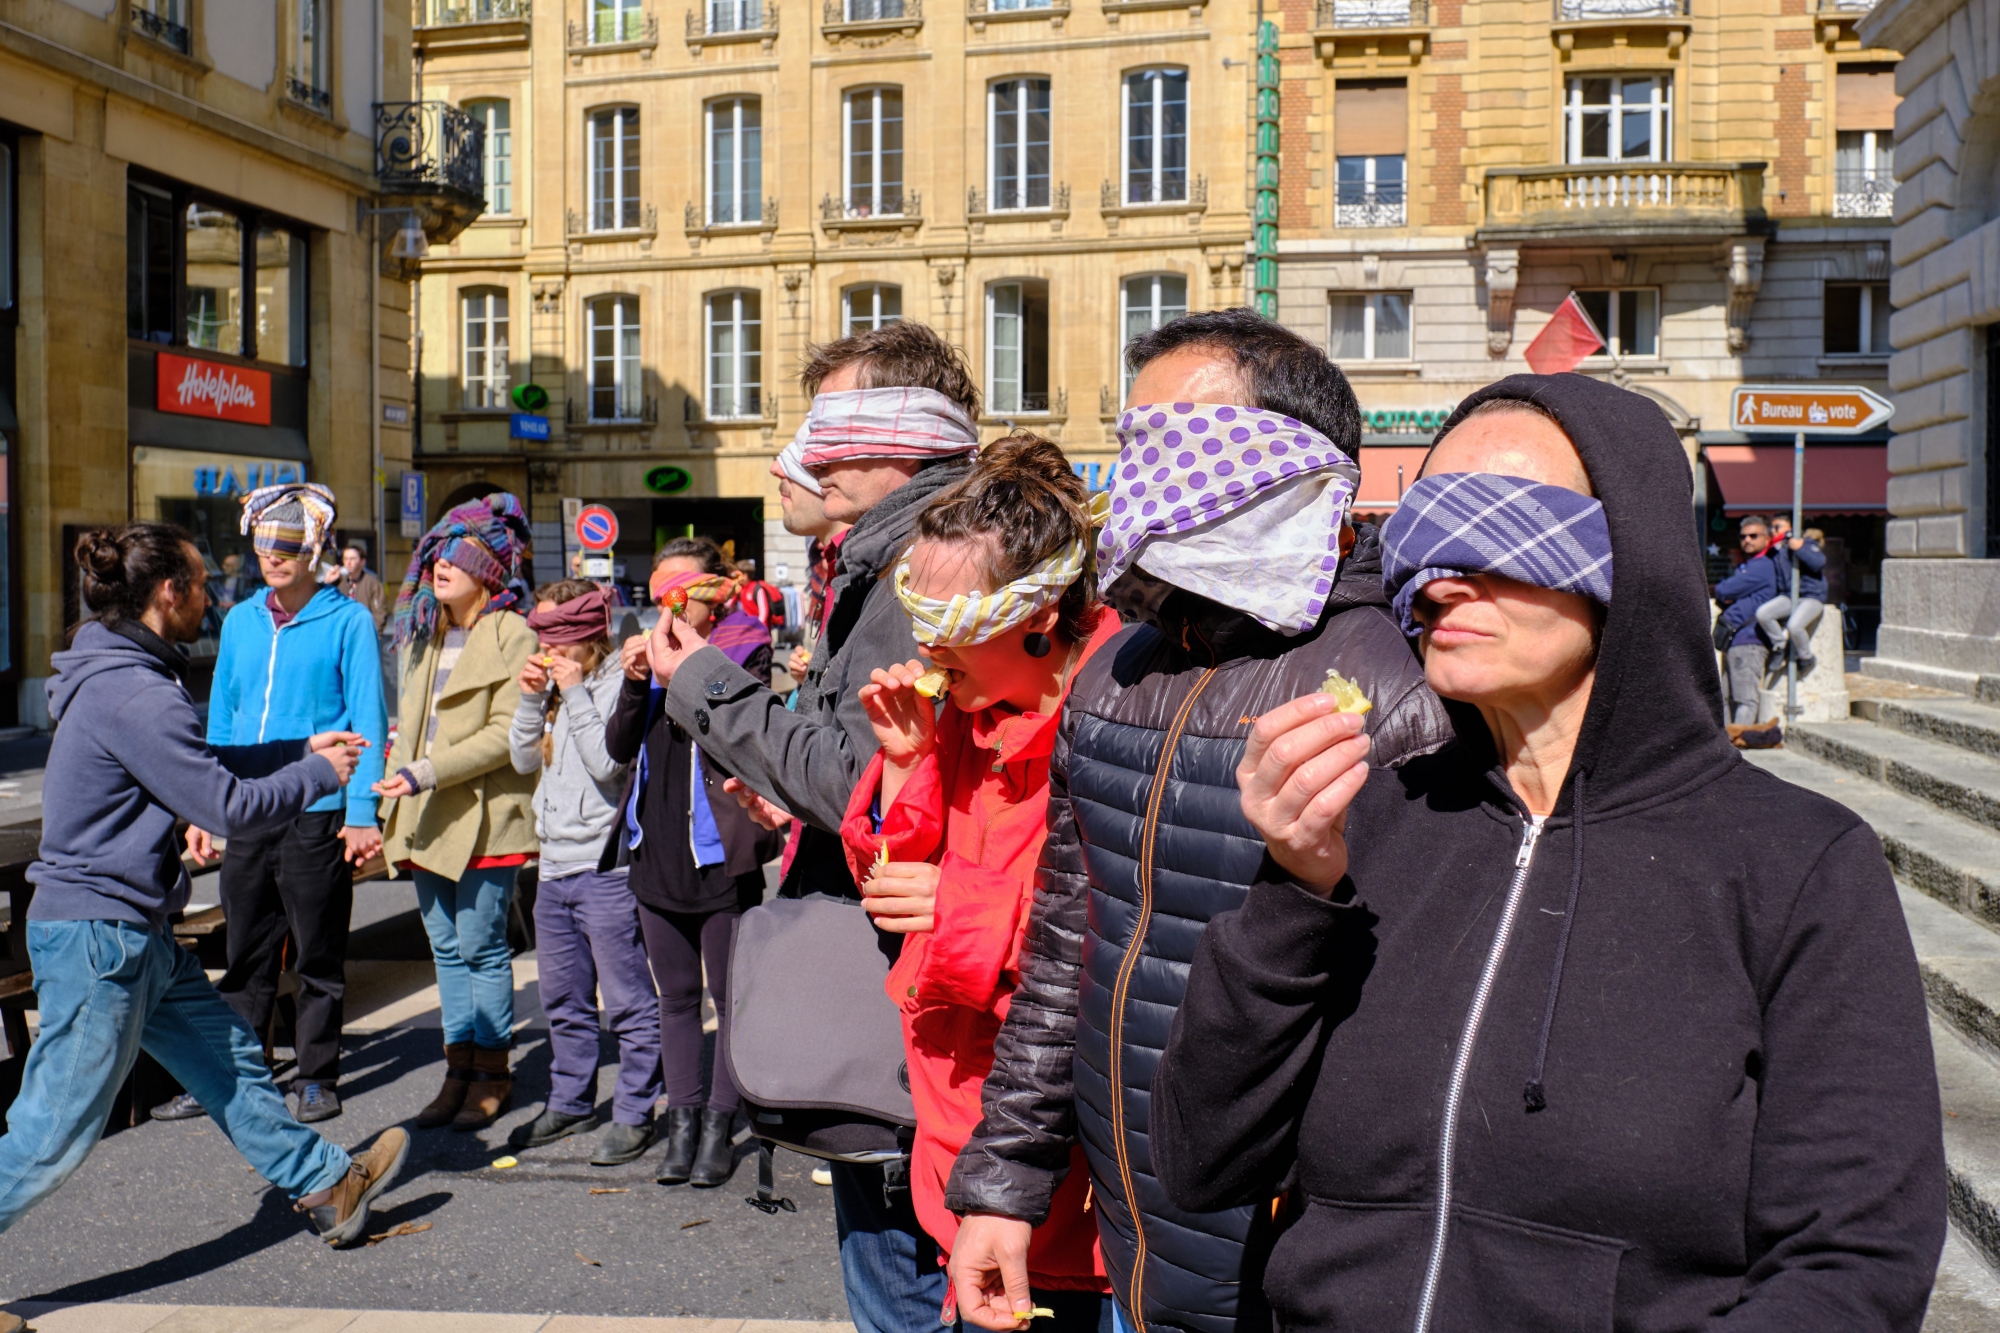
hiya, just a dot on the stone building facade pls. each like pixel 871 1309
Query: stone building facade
pixel 1712 180
pixel 688 196
pixel 191 291
pixel 1942 591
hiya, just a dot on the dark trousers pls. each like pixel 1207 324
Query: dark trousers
pixel 587 941
pixel 295 880
pixel 678 944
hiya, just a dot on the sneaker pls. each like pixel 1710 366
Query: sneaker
pixel 551 1125
pixel 317 1102
pixel 342 1218
pixel 618 1144
pixel 183 1107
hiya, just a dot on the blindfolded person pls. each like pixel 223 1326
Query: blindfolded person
pixel 586 922
pixel 129 759
pixel 1584 1021
pixel 947 823
pixel 696 857
pixel 298 659
pixel 463 818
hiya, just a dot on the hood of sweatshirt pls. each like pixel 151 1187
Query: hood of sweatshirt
pixel 96 649
pixel 1654 725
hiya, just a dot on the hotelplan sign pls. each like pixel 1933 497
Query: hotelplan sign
pixel 1834 409
pixel 211 389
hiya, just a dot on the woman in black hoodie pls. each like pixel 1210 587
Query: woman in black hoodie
pixel 1598 1026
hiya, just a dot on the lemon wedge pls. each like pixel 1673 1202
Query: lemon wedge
pixel 932 683
pixel 1347 696
pixel 882 856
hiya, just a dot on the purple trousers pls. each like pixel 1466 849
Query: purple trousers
pixel 682 945
pixel 587 940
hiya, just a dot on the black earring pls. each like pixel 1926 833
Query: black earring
pixel 1036 645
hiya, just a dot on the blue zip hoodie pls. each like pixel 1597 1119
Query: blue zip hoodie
pixel 128 757
pixel 321 672
pixel 1753 583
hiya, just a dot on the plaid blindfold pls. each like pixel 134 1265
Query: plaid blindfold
pixel 1479 523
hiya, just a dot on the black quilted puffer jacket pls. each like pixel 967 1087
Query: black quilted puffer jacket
pixel 1147 842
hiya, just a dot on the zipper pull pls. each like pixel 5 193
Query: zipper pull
pixel 1530 831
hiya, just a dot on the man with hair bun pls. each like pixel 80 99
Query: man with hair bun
pixel 891 425
pixel 300 659
pixel 127 761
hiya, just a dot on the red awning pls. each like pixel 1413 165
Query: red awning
pixel 1757 478
pixel 1380 491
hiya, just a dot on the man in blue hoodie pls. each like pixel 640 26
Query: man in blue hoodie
pixel 296 660
pixel 128 759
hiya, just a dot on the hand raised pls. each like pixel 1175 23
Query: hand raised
pixel 1301 768
pixel 565 671
pixel 342 749
pixel 768 814
pixel 534 677
pixel 632 658
pixel 905 722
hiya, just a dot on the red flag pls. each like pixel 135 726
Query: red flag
pixel 1565 340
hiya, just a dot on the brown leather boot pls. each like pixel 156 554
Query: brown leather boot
pixel 492 1088
pixel 343 1217
pixel 457 1078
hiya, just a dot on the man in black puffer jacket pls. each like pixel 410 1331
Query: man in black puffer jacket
pixel 1147 840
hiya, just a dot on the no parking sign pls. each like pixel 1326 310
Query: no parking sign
pixel 596 528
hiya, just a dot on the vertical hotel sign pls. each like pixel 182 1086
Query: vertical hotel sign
pixel 192 388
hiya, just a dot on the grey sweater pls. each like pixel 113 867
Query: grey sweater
pixel 576 802
pixel 128 758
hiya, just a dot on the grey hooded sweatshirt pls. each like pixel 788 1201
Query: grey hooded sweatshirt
pixel 128 759
pixel 576 802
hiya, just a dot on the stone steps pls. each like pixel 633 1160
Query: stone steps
pixel 1960 781
pixel 1956 722
pixel 1923 798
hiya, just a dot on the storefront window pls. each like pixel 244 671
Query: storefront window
pixel 281 290
pixel 190 261
pixel 214 307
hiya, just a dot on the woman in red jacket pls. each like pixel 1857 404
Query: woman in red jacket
pixel 946 825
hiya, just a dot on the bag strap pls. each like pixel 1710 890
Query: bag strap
pixel 766 1200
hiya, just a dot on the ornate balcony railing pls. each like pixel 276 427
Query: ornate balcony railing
pixel 429 147
pixel 895 203
pixel 1020 404
pixel 1172 193
pixel 1625 198
pixel 1357 204
pixel 1372 14
pixel 730 18
pixel 452 13
pixel 1051 200
pixel 1590 11
pixel 612 223
pixel 751 214
pixel 163 29
pixel 1863 194
pixel 303 92
pixel 869 11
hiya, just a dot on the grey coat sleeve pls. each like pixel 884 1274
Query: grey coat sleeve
pixel 806 762
pixel 1020 1152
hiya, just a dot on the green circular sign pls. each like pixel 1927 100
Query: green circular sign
pixel 529 397
pixel 669 480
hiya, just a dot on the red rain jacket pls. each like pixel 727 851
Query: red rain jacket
pixel 976 807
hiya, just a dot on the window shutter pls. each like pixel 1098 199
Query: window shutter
pixel 1371 118
pixel 1865 99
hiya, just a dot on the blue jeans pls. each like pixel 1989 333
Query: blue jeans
pixel 106 990
pixel 888 1263
pixel 467 923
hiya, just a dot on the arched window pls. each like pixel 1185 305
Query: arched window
pixel 869 306
pixel 615 380
pixel 614 168
pixel 1156 136
pixel 872 146
pixel 1017 347
pixel 497 116
pixel 483 347
pixel 735 161
pixel 1148 301
pixel 1017 139
pixel 735 354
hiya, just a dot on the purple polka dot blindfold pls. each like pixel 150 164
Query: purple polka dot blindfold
pixel 1183 465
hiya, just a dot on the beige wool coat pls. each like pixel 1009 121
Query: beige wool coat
pixel 480 806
